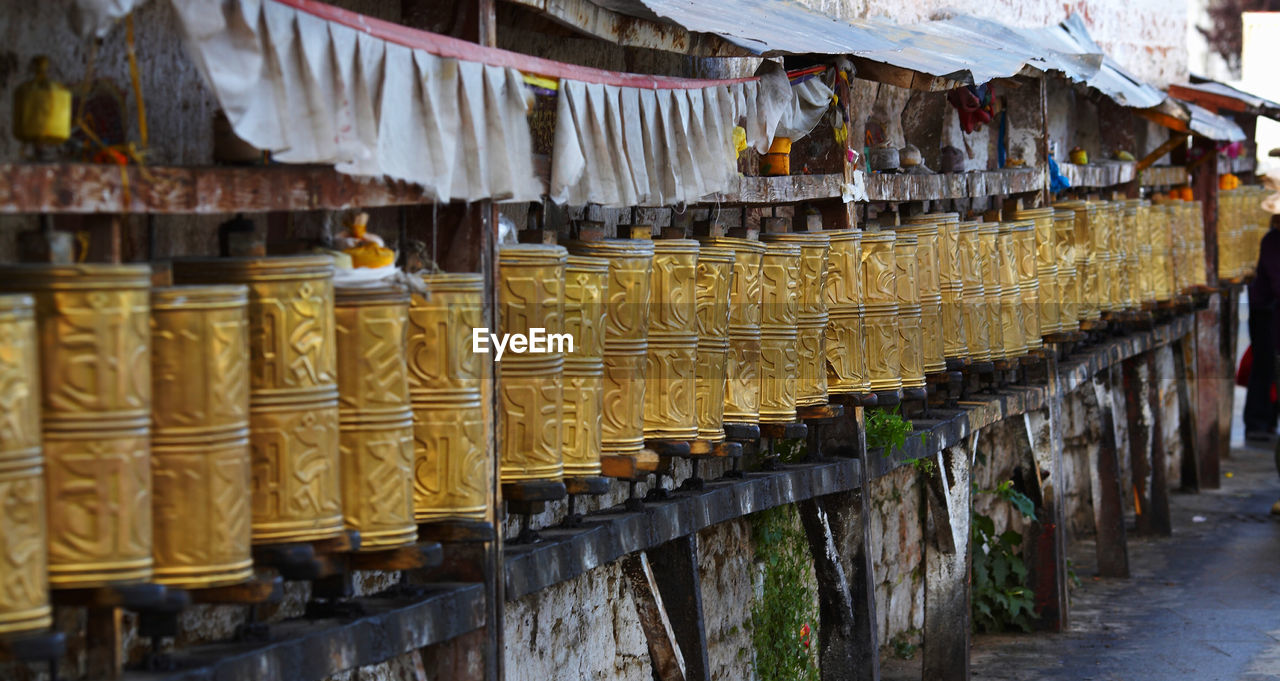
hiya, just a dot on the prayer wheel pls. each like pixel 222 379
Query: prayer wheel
pixel 1024 245
pixel 24 593
pixel 200 467
pixel 880 324
pixel 1145 254
pixel 1045 272
pixel 910 329
pixel 95 391
pixel 779 310
pixel 929 290
pixel 1199 267
pixel 626 334
pixel 293 391
pixel 586 286
pixel 711 295
pixel 811 315
pixel 972 297
pixel 1064 230
pixel 673 342
pixel 1100 231
pixel 452 471
pixel 530 379
pixel 992 287
pixel 845 350
pixel 375 417
pixel 1011 327
pixel 1162 252
pixel 950 286
pixel 742 387
pixel 1086 265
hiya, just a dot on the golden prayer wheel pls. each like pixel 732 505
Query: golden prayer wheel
pixel 992 287
pixel 714 285
pixel 670 375
pixel 293 391
pixel 845 350
pixel 1109 285
pixel 742 387
pixel 811 315
pixel 1011 327
pixel 1146 266
pixel 1064 228
pixel 1086 297
pixel 626 335
pixel 531 379
pixel 1162 252
pixel 929 293
pixel 375 417
pixel 779 309
pixel 586 285
pixel 973 303
pixel 910 328
pixel 1024 256
pixel 1196 221
pixel 24 581
pixel 95 390
pixel 452 471
pixel 951 285
pixel 880 323
pixel 201 517
pixel 1045 271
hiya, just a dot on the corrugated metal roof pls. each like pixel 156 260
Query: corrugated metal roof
pixel 961 48
pixel 1252 103
pixel 1205 122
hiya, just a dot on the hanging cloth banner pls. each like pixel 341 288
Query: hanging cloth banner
pixel 94 18
pixel 317 91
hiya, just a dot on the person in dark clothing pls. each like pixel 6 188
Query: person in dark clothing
pixel 1264 294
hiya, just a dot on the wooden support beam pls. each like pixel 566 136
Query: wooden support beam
pixel 1207 386
pixel 1108 500
pixel 1135 394
pixel 664 653
pixel 947 556
pixel 1158 519
pixel 1184 362
pixel 1046 554
pixel 1169 145
pixel 675 567
pixel 1229 329
pixel 104 633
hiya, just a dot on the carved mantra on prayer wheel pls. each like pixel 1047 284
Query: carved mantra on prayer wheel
pixel 811 314
pixel 714 284
pixel 950 331
pixel 846 353
pixel 992 291
pixel 1044 269
pixel 531 385
pixel 1024 259
pixel 375 419
pixel 626 332
pixel 670 374
pixel 1011 329
pixel 293 398
pixel 95 369
pixel 1086 279
pixel 586 287
pixel 1064 227
pixel 880 293
pixel 779 308
pixel 200 463
pixel 742 388
pixel 910 331
pixel 24 595
pixel 452 471
pixel 973 305
pixel 929 293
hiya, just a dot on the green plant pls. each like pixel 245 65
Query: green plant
pixel 791 451
pixel 1001 598
pixel 923 464
pixel 903 648
pixel 784 617
pixel 887 429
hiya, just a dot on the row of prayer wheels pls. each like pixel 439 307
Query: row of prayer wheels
pixel 158 433
pixel 1242 222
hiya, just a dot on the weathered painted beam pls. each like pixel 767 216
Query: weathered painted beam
pixel 947 557
pixel 675 570
pixel 664 654
pixel 1184 372
pixel 1159 520
pixel 1208 387
pixel 1135 395
pixel 1108 502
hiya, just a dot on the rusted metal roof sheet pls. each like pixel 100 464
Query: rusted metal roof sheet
pixel 1212 91
pixel 961 48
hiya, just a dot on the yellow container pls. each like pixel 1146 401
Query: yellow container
pixel 779 316
pixel 586 288
pixel 531 384
pixel 880 324
pixel 200 436
pixel 670 374
pixel 714 286
pixel 452 471
pixel 24 581
pixel 778 160
pixel 375 417
pixel 293 391
pixel 846 354
pixel 811 315
pixel 41 107
pixel 95 389
pixel 742 387
pixel 625 339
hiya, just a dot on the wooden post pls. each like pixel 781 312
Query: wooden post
pixel 1046 553
pixel 1158 518
pixel 947 555
pixel 675 568
pixel 1108 503
pixel 1184 362
pixel 663 651
pixel 1139 444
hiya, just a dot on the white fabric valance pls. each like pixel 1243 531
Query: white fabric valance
pixel 316 91
pixel 96 17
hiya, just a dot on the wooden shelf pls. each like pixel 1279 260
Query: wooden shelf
pixel 1099 174
pixel 784 189
pixel 91 188
pixel 904 187
pixel 1164 176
